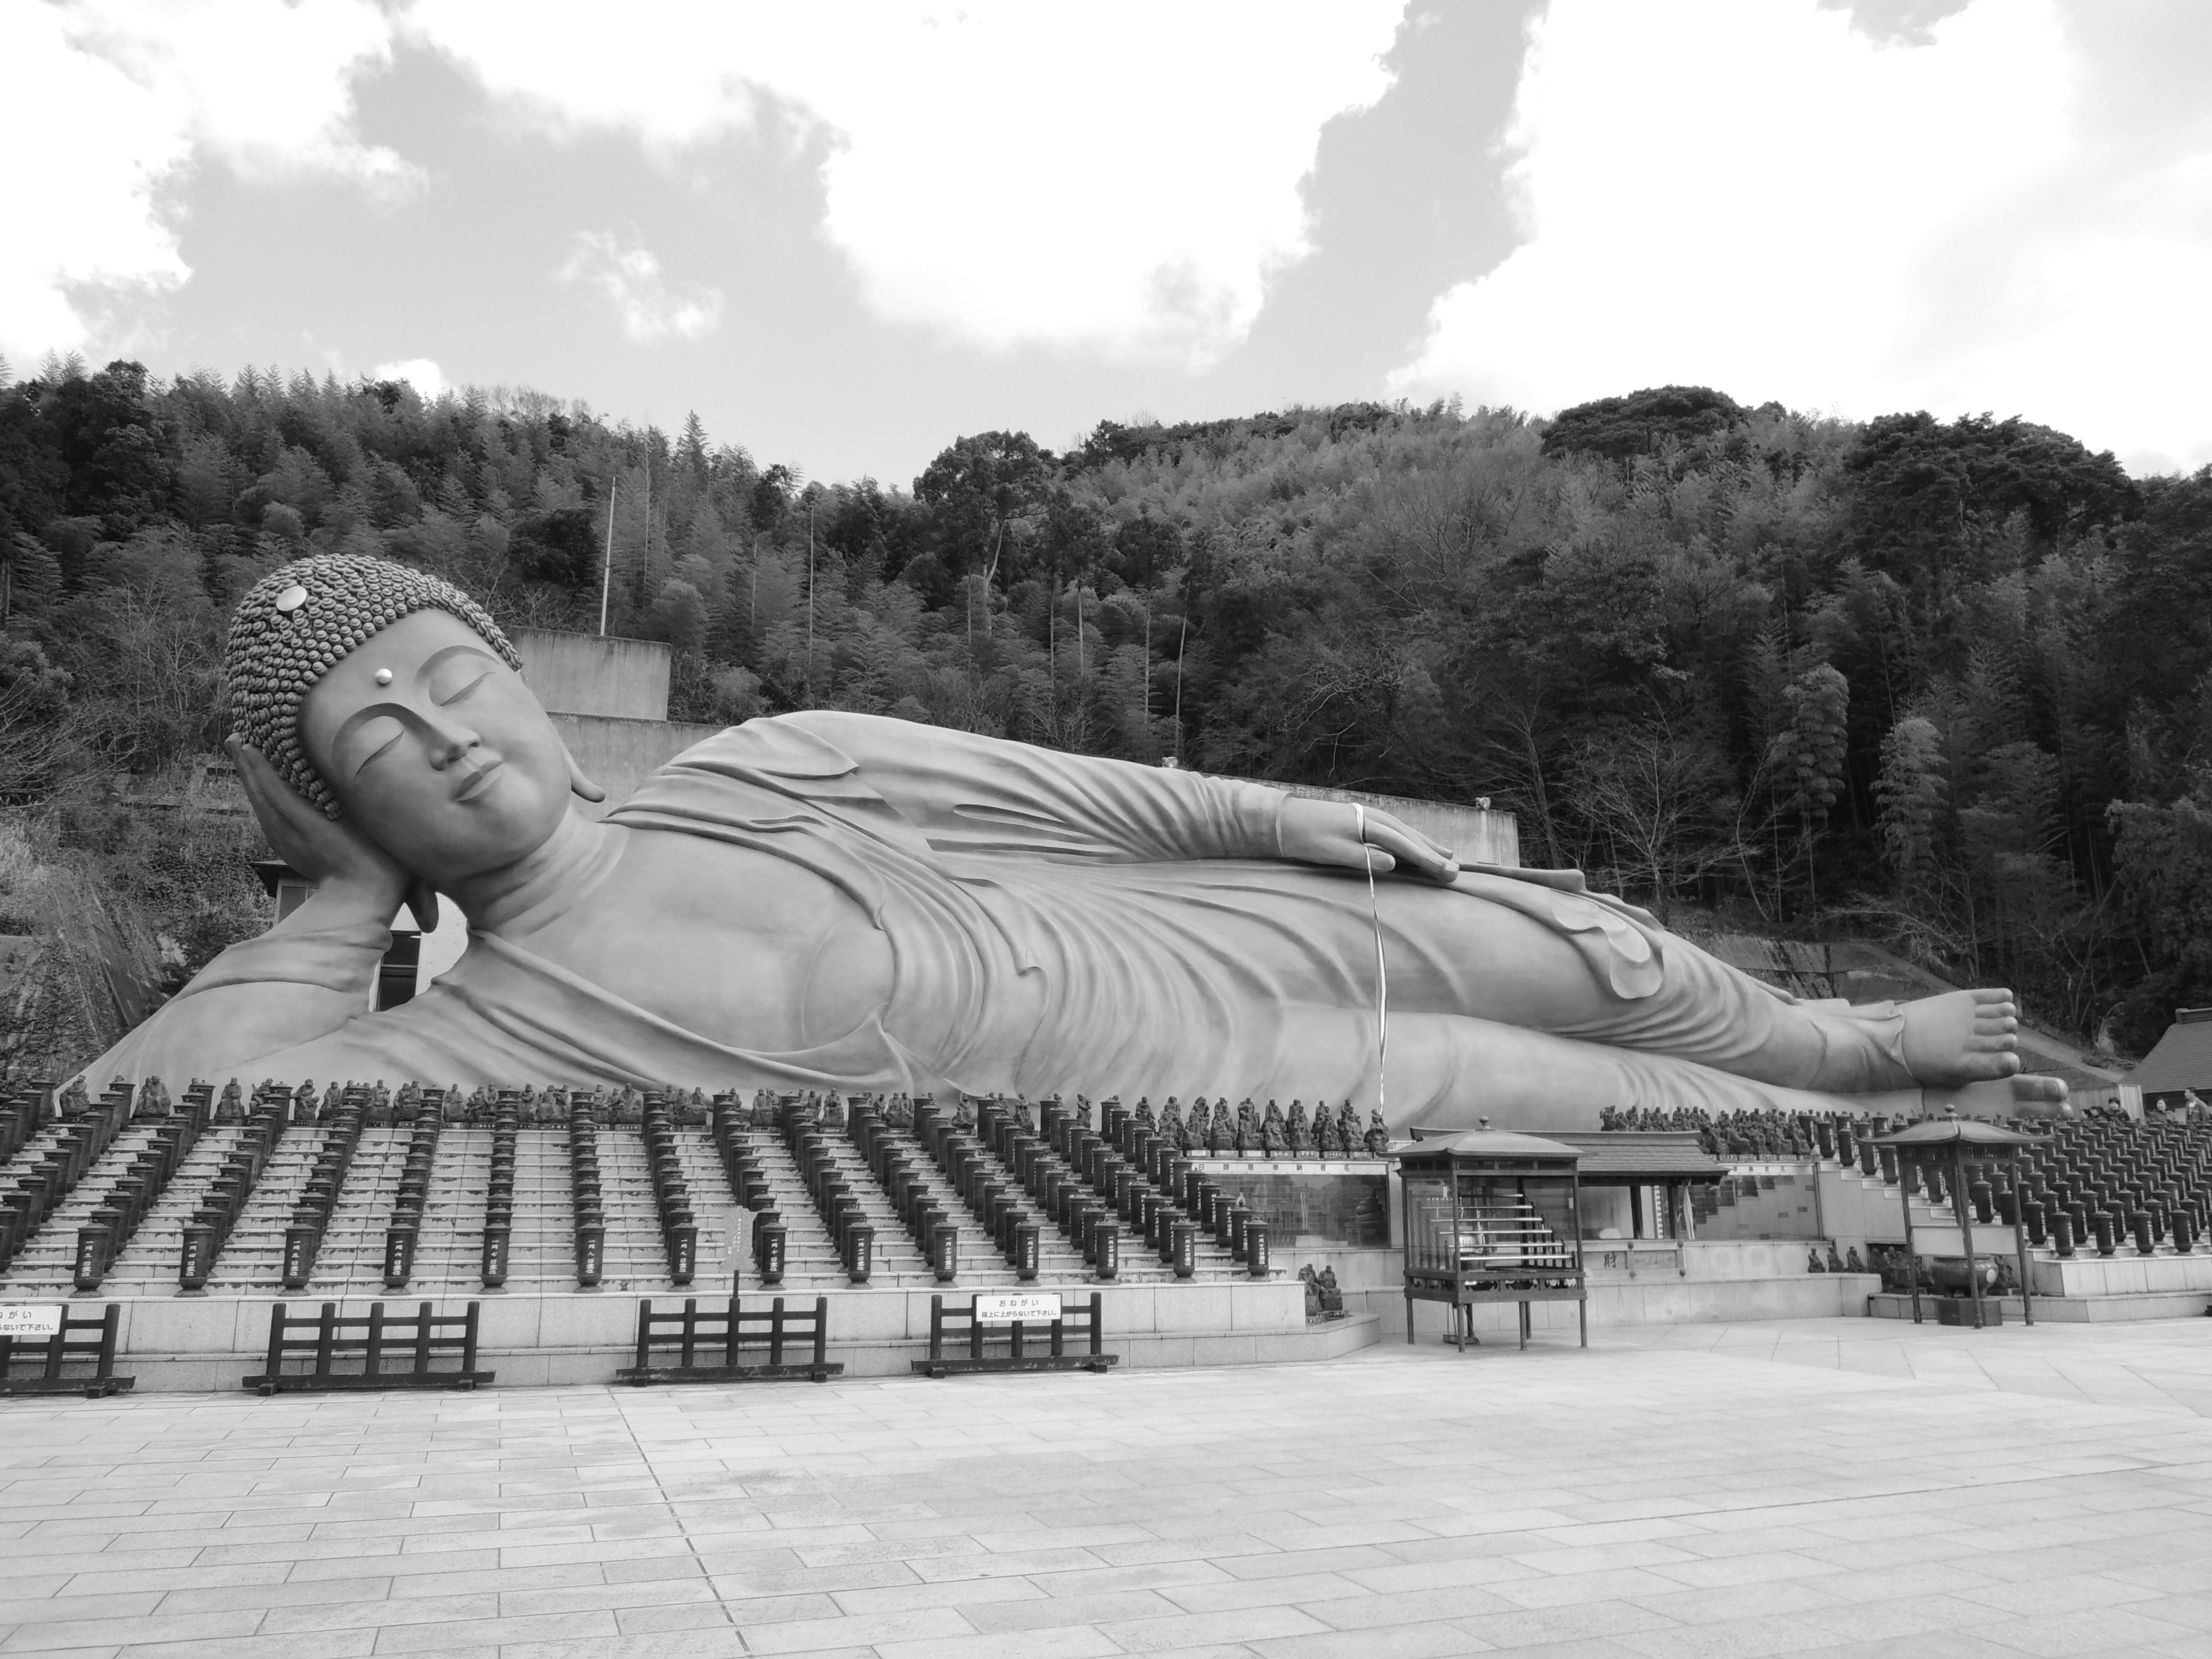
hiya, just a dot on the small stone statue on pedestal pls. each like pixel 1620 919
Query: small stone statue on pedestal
pixel 303 1102
pixel 1172 1129
pixel 1379 1138
pixel 1348 1131
pixel 1220 1129
pixel 333 1097
pixel 1295 1131
pixel 1327 1141
pixel 1246 1136
pixel 1274 1134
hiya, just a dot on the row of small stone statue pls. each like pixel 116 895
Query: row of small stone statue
pixel 1214 1129
pixel 1768 1132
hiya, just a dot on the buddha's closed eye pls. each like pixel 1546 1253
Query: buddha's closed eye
pixel 374 738
pixel 453 684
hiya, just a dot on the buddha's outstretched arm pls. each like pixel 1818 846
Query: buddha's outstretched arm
pixel 968 793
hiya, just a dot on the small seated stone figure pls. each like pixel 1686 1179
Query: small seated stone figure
pixel 963 1115
pixel 1246 1136
pixel 1349 1132
pixel 1171 1130
pixel 1835 1261
pixel 1145 1119
pixel 899 1112
pixel 1220 1129
pixel 303 1102
pixel 1324 1131
pixel 74 1102
pixel 1296 1133
pixel 527 1107
pixel 1274 1132
pixel 1851 1262
pixel 333 1097
pixel 408 1105
pixel 380 1105
pixel 1812 1262
pixel 1311 1280
pixel 1332 1298
pixel 1378 1136
pixel 153 1099
pixel 553 1105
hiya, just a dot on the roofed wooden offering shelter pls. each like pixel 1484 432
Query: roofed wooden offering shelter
pixel 1953 1140
pixel 1670 1160
pixel 1491 1216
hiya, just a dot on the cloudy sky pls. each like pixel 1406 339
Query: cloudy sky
pixel 845 234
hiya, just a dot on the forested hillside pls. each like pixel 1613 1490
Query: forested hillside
pixel 1942 683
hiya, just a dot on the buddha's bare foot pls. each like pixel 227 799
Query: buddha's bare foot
pixel 1961 1037
pixel 2023 1095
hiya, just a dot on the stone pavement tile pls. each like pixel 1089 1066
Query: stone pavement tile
pixel 1377 1612
pixel 2055 1594
pixel 73 1609
pixel 1250 1626
pixel 495 1633
pixel 724 1644
pixel 156 1627
pixel 1619 1584
pixel 1054 1611
pixel 942 1593
pixel 1774 1598
pixel 709 1615
pixel 1545 1626
pixel 1421 1641
pixel 850 1630
pixel 1745 1569
pixel 1062 1642
pixel 2106 1629
pixel 1727 1638
pixel 1162 1576
pixel 238 1598
pixel 323 1644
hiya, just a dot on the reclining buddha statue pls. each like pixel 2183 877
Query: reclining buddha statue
pixel 832 901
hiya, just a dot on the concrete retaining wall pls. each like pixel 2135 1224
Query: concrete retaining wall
pixel 584 674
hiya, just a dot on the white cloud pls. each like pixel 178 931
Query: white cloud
pixel 1120 178
pixel 628 277
pixel 107 104
pixel 1749 195
pixel 420 372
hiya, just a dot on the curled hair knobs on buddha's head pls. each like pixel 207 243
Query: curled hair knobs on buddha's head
pixel 297 623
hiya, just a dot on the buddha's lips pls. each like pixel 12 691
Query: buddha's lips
pixel 478 780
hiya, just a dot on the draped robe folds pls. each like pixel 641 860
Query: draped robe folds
pixel 1060 923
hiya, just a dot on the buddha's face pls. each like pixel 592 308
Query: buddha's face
pixel 437 750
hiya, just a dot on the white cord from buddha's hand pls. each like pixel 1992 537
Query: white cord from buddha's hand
pixel 1381 967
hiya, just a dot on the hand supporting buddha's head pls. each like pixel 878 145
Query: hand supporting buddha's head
pixel 389 699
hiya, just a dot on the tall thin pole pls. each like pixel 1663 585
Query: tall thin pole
pixel 607 573
pixel 810 593
pixel 648 504
pixel 1180 644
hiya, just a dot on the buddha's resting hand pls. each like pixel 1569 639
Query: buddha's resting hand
pixel 354 877
pixel 1329 832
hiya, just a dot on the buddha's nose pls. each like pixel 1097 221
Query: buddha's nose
pixel 448 742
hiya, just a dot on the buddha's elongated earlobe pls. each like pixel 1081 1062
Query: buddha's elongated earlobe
pixel 580 786
pixel 423 900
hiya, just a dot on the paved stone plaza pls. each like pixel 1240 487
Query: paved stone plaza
pixel 1852 1487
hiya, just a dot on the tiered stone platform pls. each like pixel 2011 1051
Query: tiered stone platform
pixel 593 1216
